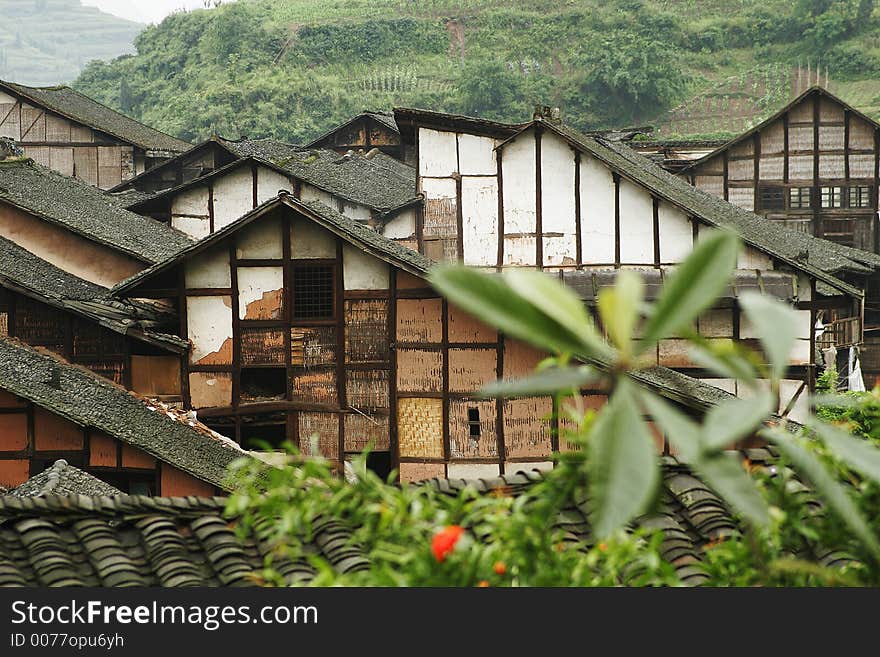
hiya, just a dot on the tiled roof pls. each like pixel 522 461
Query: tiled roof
pixel 64 479
pixel 379 182
pixel 74 105
pixel 165 542
pixel 86 210
pixel 385 118
pixel 350 230
pixel 89 400
pixel 147 542
pixel 24 272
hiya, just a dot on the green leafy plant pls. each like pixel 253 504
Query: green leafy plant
pixel 418 535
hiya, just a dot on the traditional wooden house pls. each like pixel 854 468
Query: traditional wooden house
pixel 77 136
pixel 51 409
pixel 308 326
pixel 45 306
pixel 364 132
pixel 77 227
pixel 674 154
pixel 542 195
pixel 373 189
pixel 812 166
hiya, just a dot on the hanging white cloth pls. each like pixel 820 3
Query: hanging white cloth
pixel 856 382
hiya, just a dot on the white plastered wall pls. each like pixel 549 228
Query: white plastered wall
pixel 557 201
pixel 270 183
pixel 260 240
pixel 209 324
pixel 233 196
pixel 479 209
pixel 518 170
pixel 362 271
pixel 309 241
pixel 636 224
pixel 597 212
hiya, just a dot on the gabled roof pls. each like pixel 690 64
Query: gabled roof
pixel 209 549
pixel 353 232
pixel 378 182
pixel 64 479
pixel 89 400
pixel 86 210
pixel 809 93
pixel 28 274
pixel 407 119
pixel 816 257
pixel 71 104
pixel 385 118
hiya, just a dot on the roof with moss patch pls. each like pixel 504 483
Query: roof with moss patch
pixel 64 479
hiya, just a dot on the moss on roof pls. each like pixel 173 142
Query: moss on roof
pixel 86 210
pixel 378 181
pixel 89 400
pixel 64 479
pixel 74 105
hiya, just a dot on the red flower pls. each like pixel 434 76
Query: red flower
pixel 444 541
pixel 500 568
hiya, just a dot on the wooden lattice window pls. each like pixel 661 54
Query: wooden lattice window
pixel 771 197
pixel 800 198
pixel 860 197
pixel 313 292
pixel 831 197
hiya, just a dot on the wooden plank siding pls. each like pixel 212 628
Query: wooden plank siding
pixel 66 146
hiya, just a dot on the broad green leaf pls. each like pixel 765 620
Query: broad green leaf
pixel 489 298
pixel 725 475
pixel 559 302
pixel 623 471
pixel 544 382
pixel 776 324
pixel 825 484
pixel 735 419
pixel 858 453
pixel 682 432
pixel 619 309
pixel 694 286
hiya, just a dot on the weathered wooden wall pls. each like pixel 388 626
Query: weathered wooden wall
pixel 814 168
pixel 68 147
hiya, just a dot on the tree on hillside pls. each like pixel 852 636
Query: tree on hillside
pixel 490 89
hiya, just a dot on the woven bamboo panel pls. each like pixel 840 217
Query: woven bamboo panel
pixel 37 323
pixel 527 427
pixel 464 328
pixel 313 347
pixel 772 168
pixel 419 370
pixel 314 386
pixel 366 331
pixel 367 389
pixel 742 149
pixel 741 169
pixel 773 138
pixel 830 110
pixel 319 434
pixel 419 320
pixel 262 346
pixel 831 166
pixel 112 370
pixel 412 472
pixel 9 126
pixel 520 359
pixel 861 166
pixel 800 138
pixel 831 137
pixel 57 129
pixel 420 427
pixel 465 439
pixel 33 124
pixel 861 134
pixel 4 324
pixel 471 369
pixel 92 340
pixel 743 197
pixel 569 414
pixel 713 166
pixel 711 184
pixel 366 430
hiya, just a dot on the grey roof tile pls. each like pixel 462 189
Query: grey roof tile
pixel 64 479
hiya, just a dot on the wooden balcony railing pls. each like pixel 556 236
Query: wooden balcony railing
pixel 841 333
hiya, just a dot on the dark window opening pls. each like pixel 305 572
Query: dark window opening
pixel 130 483
pixel 474 422
pixel 831 197
pixel 860 197
pixel 800 198
pixel 313 292
pixel 263 437
pixel 263 384
pixel 771 198
pixel 380 463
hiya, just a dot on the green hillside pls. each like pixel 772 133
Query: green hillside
pixel 293 68
pixel 45 42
